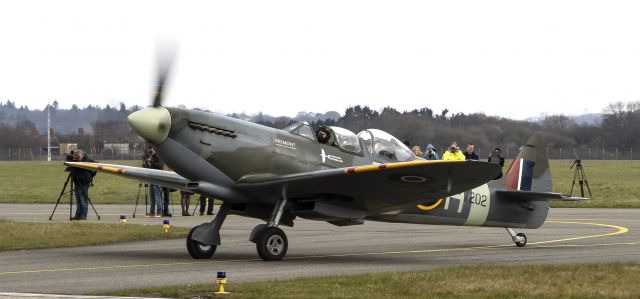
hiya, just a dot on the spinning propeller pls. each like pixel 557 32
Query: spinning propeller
pixel 153 124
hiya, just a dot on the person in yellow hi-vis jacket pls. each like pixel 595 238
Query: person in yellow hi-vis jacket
pixel 453 153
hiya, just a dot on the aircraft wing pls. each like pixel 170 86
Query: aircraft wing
pixel 154 176
pixel 374 188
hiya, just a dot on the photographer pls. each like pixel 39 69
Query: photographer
pixel 496 158
pixel 453 152
pixel 431 153
pixel 151 160
pixel 82 179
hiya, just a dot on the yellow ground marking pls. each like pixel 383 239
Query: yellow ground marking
pixel 590 219
pixel 619 230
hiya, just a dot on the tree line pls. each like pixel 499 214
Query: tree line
pixel 91 125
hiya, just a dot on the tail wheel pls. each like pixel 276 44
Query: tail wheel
pixel 272 244
pixel 522 240
pixel 198 250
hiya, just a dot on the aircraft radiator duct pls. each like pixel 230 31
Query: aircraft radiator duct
pixel 224 193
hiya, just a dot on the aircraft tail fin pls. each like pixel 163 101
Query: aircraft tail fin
pixel 529 171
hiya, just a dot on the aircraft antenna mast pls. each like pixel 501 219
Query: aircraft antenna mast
pixel 48 133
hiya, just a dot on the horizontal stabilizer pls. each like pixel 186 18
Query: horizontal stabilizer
pixel 536 196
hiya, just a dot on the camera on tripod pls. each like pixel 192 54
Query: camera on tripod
pixel 580 176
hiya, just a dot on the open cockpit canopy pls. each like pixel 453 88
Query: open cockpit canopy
pixel 382 146
pixel 385 148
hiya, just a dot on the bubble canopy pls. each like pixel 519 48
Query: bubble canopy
pixel 384 147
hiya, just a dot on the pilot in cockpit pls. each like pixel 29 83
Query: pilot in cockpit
pixel 323 135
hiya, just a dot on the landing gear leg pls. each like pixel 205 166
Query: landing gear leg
pixel 271 241
pixel 203 239
pixel 520 239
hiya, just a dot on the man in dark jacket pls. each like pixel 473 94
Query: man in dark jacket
pixel 496 158
pixel 82 179
pixel 151 160
pixel 470 154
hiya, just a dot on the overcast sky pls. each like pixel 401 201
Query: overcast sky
pixel 510 58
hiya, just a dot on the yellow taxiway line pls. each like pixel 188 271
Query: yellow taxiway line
pixel 618 230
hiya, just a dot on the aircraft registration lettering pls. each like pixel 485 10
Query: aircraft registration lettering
pixel 480 201
pixel 459 198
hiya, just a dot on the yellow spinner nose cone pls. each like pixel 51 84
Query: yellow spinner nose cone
pixel 152 124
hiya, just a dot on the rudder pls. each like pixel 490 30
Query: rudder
pixel 529 171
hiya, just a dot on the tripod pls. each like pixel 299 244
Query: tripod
pixel 71 192
pixel 581 176
pixel 146 198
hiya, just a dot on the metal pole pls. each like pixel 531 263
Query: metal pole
pixel 48 134
pixel 507 153
pixel 547 152
pixel 616 153
pixel 603 153
pixel 589 153
pixel 560 153
pixel 631 153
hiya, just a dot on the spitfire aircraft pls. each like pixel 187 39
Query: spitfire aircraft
pixel 330 174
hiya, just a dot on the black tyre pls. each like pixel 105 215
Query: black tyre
pixel 272 244
pixel 523 240
pixel 198 250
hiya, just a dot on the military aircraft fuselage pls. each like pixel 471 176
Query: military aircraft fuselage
pixel 224 151
pixel 243 151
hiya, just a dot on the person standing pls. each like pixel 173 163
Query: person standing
pixel 496 157
pixel 166 196
pixel 203 202
pixel 185 201
pixel 431 153
pixel 82 179
pixel 417 151
pixel 470 154
pixel 453 153
pixel 151 160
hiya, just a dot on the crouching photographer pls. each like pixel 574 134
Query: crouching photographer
pixel 82 179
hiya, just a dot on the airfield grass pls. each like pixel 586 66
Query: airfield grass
pixel 26 235
pixel 522 281
pixel 39 182
pixel 615 184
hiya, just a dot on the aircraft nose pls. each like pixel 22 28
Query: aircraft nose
pixel 152 124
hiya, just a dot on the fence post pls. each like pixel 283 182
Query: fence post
pixel 631 153
pixel 603 153
pixel 616 153
pixel 560 153
pixel 589 154
pixel 19 153
pixel 507 153
pixel 9 154
pixel 547 153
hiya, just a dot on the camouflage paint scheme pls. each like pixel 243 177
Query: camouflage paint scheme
pixel 252 168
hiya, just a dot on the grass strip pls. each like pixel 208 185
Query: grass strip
pixel 27 235
pixel 614 280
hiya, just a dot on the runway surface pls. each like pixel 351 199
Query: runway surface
pixel 315 249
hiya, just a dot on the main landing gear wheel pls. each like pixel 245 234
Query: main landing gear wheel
pixel 522 240
pixel 271 244
pixel 198 250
